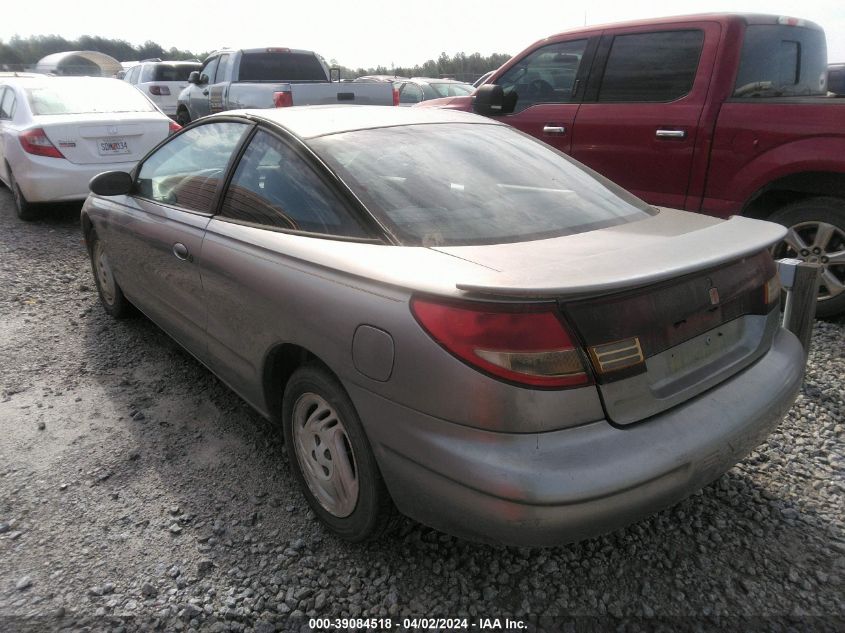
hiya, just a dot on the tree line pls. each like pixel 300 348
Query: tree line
pixel 20 53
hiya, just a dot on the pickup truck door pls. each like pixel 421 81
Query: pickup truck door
pixel 217 86
pixel 640 119
pixel 544 89
pixel 199 95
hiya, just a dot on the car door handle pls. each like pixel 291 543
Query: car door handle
pixel 554 130
pixel 181 251
pixel 671 133
pixel 205 93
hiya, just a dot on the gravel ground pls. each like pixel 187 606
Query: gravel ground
pixel 139 493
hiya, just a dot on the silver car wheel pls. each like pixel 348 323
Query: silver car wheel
pixel 325 455
pixel 105 278
pixel 824 244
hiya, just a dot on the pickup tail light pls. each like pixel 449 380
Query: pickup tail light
pixel 283 99
pixel 526 344
pixel 173 128
pixel 159 91
pixel 35 142
pixel 395 97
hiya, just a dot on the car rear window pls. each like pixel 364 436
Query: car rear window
pixel 169 72
pixel 279 66
pixel 73 96
pixel 461 184
pixel 782 61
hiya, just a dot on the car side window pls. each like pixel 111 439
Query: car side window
pixel 147 74
pixel 410 93
pixel 7 103
pixel 133 74
pixel 208 71
pixel 274 187
pixel 186 171
pixel 223 68
pixel 545 76
pixel 651 67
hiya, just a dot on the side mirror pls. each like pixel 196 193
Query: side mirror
pixel 488 100
pixel 194 77
pixel 334 73
pixel 111 183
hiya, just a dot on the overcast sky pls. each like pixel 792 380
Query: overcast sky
pixel 366 33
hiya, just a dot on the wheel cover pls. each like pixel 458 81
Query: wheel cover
pixel 819 243
pixel 325 455
pixel 107 285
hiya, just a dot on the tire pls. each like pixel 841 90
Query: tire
pixel 24 209
pixel 343 484
pixel 817 234
pixel 183 117
pixel 111 296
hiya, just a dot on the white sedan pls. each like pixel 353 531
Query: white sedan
pixel 56 133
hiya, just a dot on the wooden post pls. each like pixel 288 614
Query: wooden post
pixel 801 281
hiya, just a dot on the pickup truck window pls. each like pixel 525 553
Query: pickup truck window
pixel 274 187
pixel 651 67
pixel 281 66
pixel 223 68
pixel 208 70
pixel 545 76
pixel 185 171
pixel 782 61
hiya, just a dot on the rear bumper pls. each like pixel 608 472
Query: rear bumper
pixel 567 485
pixel 44 179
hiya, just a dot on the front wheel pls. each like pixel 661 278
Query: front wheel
pixel 331 457
pixel 183 118
pixel 111 296
pixel 816 233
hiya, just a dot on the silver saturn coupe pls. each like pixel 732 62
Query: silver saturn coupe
pixel 451 319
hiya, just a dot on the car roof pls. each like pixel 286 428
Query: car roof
pixel 312 121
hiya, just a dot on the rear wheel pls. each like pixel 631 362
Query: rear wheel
pixel 111 296
pixel 331 456
pixel 816 233
pixel 25 210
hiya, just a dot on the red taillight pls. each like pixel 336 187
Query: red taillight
pixel 282 99
pixel 35 141
pixel 174 127
pixel 159 91
pixel 525 343
pixel 395 97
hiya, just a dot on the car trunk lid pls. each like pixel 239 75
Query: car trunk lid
pixel 665 308
pixel 99 139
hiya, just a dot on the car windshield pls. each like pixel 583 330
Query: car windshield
pixel 461 184
pixel 452 90
pixel 81 97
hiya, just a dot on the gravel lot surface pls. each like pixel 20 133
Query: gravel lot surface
pixel 139 493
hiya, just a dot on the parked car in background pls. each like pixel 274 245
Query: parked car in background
pixel 56 133
pixel 395 79
pixel 693 113
pixel 162 81
pixel 269 78
pixel 417 89
pixel 450 316
pixel 836 79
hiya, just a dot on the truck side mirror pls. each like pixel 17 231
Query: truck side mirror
pixel 334 73
pixel 489 100
pixel 194 77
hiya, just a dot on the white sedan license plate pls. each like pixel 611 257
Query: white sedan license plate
pixel 112 146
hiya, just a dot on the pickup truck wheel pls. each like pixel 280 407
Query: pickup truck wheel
pixel 183 118
pixel 331 457
pixel 24 209
pixel 111 296
pixel 817 234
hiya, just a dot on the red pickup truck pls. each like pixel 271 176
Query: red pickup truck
pixel 721 114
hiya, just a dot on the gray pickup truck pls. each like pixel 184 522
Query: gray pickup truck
pixel 267 78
